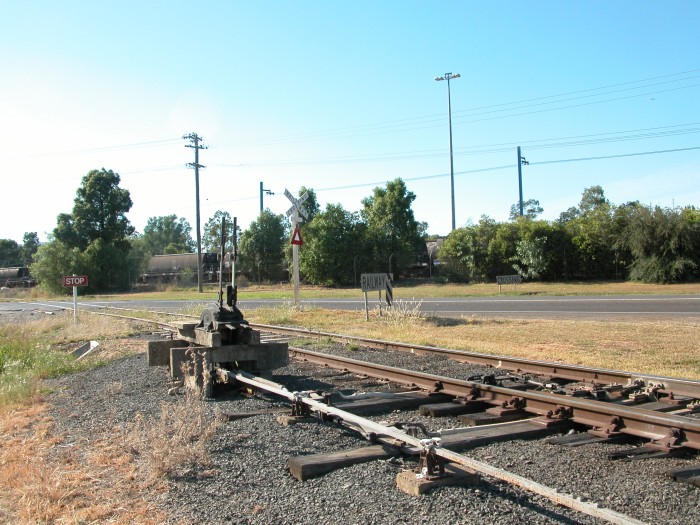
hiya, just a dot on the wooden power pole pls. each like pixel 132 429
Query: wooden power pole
pixel 195 144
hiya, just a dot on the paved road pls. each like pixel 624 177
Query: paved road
pixel 639 307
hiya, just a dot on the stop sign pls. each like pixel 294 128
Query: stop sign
pixel 75 280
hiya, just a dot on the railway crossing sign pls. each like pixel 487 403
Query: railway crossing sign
pixel 297 204
pixel 296 237
pixel 293 214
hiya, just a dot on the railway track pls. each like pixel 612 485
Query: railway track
pixel 610 404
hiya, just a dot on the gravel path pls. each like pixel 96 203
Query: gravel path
pixel 248 482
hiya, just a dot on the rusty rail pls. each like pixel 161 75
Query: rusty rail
pixel 667 430
pixel 677 386
pixel 567 500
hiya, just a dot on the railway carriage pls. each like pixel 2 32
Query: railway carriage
pixel 170 268
pixel 16 277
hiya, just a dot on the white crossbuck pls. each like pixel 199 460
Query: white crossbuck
pixel 297 204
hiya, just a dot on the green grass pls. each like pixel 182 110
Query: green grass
pixel 413 290
pixel 24 361
pixel 40 349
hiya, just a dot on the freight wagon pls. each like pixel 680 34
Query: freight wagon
pixel 170 268
pixel 16 277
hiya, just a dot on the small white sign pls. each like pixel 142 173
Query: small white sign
pixel 372 282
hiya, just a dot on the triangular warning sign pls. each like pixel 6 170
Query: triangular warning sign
pixel 296 237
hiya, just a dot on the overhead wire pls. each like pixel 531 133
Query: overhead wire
pixel 559 142
pixel 387 126
pixel 478 170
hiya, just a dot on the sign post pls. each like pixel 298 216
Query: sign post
pixel 371 282
pixel 293 213
pixel 75 281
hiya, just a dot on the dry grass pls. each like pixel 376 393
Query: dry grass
pixel 173 445
pixel 112 477
pixel 59 328
pixel 655 347
pixel 43 480
pixel 34 350
pixel 546 289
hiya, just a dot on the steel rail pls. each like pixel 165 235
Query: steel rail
pixel 138 319
pixel 678 386
pixel 592 509
pixel 612 418
pixel 609 417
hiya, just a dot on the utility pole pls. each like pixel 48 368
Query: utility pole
pixel 521 161
pixel 448 77
pixel 263 190
pixel 194 143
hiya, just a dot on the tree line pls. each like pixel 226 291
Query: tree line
pixel 594 240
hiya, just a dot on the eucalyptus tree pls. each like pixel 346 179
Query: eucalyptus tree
pixel 168 234
pixel 332 247
pixel 262 247
pixel 392 232
pixel 94 239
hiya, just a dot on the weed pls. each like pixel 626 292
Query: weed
pixel 278 315
pixel 174 444
pixel 32 351
pixel 402 313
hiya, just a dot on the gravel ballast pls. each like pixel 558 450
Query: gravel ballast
pixel 248 482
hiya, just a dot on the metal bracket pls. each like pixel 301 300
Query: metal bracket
pixel 612 428
pixel 412 429
pixel 430 465
pixel 299 408
pixel 561 413
pixel 514 403
pixel 673 439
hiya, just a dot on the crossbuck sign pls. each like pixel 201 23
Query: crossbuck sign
pixel 293 213
pixel 297 204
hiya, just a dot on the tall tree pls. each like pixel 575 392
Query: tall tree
pixel 52 261
pixel 211 239
pixel 592 235
pixel 392 231
pixel 662 244
pixel 332 246
pixel 168 234
pixel 99 212
pixel 30 244
pixel 262 247
pixel 531 210
pixel 10 253
pixel 94 239
pixel 457 253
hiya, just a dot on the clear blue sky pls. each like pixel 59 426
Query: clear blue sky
pixel 341 97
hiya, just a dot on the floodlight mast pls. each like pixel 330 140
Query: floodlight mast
pixel 448 77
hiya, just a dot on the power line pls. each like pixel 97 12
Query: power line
pixel 615 156
pixel 571 141
pixel 479 170
pixel 389 126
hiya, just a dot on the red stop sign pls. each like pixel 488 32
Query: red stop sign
pixel 75 280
